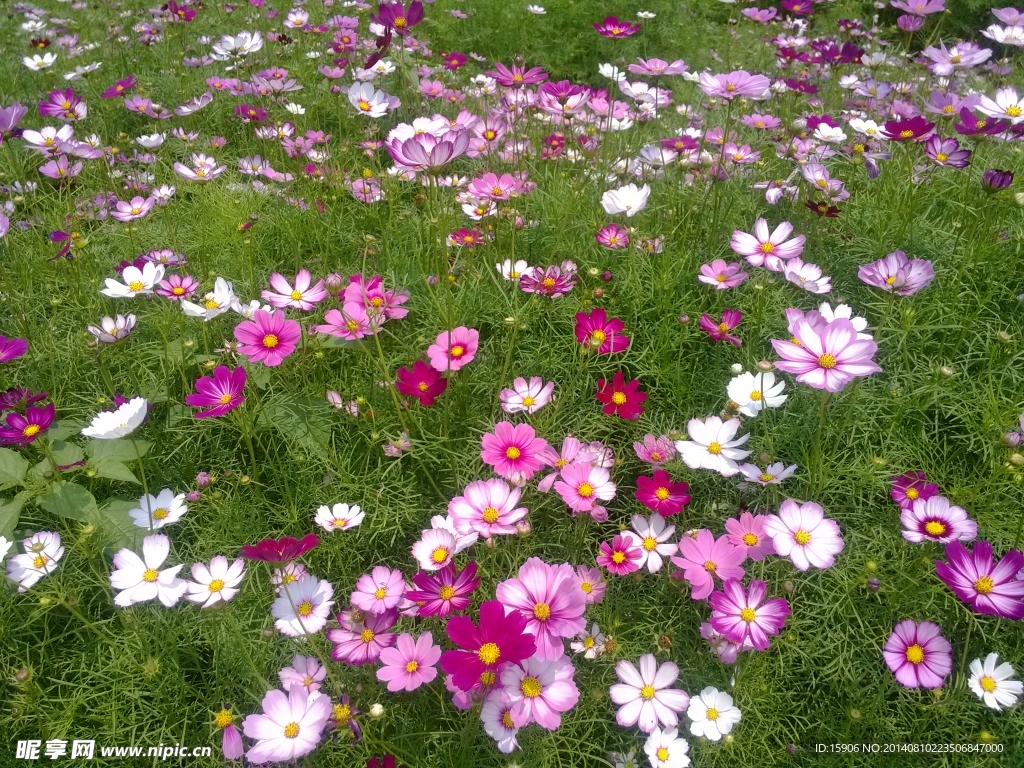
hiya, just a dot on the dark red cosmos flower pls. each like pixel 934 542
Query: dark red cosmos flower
pixel 385 761
pixel 914 129
pixel 500 639
pixel 613 27
pixel 823 209
pixel 280 551
pixel 621 397
pixel 18 399
pixel 421 382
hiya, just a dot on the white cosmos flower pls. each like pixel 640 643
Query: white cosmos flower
pixel 435 549
pixel 825 132
pixel 295 109
pixel 151 141
pixel 536 9
pixel 216 302
pixel 512 270
pixel 806 275
pixel 629 199
pixel 611 72
pixel 340 517
pixel 289 727
pixel 526 396
pixel 38 62
pixel 136 281
pixel 712 445
pixel 993 682
pixel 42 552
pixel 241 44
pixel 163 509
pixel 110 425
pixel 866 127
pixel 645 14
pixel 368 100
pixel 845 312
pixel 753 392
pixel 140 579
pixel 1005 105
pixel 5 547
pixel 216 584
pixel 303 607
pixel 666 749
pixel 773 474
pixel 712 714
pixel 591 644
pixel 1009 35
pixel 652 537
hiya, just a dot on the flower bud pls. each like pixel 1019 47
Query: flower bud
pixel 203 479
pixel 871 566
pixel 217 495
pixel 523 527
pixel 764 366
pixel 377 711
pixel 874 584
pixel 1004 336
pixel 432 279
pixel 23 675
pixel 789 586
pixel 599 293
pixel 1016 459
pixel 855 714
pixel 269 632
pixel 334 282
pixel 736 369
pixel 791 748
pixel 334 398
pixel 684 319
pixel 194 496
pixel 607 276
pixel 1012 439
pixel 946 371
pixel 490 543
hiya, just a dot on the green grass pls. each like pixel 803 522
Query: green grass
pixel 148 675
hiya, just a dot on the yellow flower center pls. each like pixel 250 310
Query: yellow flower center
pixel 216 585
pixel 619 398
pixel 458 351
pixel 588 642
pixel 710 565
pixel 712 713
pixel 528 401
pixel 270 341
pixel 150 575
pixel 225 398
pixel 935 528
pixel 906 134
pixel 912 493
pixel 160 513
pixel 412 666
pixel 364 105
pixel 31 430
pixel 487 678
pixel 650 543
pixel 178 290
pixel 489 653
pixel 366 635
pixel 984 585
pixel 1013 111
pixel 439 555
pixel 941 157
pixel 490 515
pixel 296 295
pixel 223 719
pixel 723 327
pixel 647 692
pixel 662 754
pixel 39 561
pixel 512 452
pixel 530 686
pixel 755 395
pixel 662 493
pixel 915 654
pixel 586 586
pixel 748 614
pixel 211 304
pixel 802 537
pixel 764 477
pixel 305 608
pixel 291 730
pixel 136 285
pixel 714 448
pixel 585 490
pixel 599 336
pixel 380 593
pixel 619 557
pixel 447 592
pixel 542 611
pixel 341 713
pixel 827 361
pixel 987 683
pixel 749 539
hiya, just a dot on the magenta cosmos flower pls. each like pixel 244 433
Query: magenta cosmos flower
pixel 410 663
pixel 518 76
pixel 722 275
pixel 500 639
pixel 988 587
pixel 918 655
pixel 802 533
pixel 827 360
pixel 398 17
pixel 453 349
pixel 280 551
pixel 445 591
pixel 599 333
pixel 704 558
pixel 515 451
pixel 768 249
pixel 719 331
pixel 612 27
pixel 421 382
pixel 912 129
pixel 735 84
pixel 267 338
pixel 221 392
pixel 898 274
pixel 622 555
pixel 620 397
pixel 548 598
pixel 22 430
pixel 488 508
pixel 303 295
pixel 661 494
pixel 614 236
pixel 644 695
pixel 746 616
pixel 935 519
pixel 361 642
pixel 540 690
pixel 911 486
pixel 11 349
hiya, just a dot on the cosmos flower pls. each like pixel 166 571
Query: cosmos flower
pixel 217 583
pixel 526 397
pixel 620 397
pixel 660 494
pixel 993 682
pixel 655 450
pixel 600 334
pixel 911 486
pixel 721 275
pixel 613 236
pixel 137 282
pixel 918 655
pixel 20 429
pixel 735 84
pixel 12 349
pixel 501 640
pixel 361 641
pixel 553 281
pixel 753 392
pixel 620 556
pixel 712 714
pixel 220 393
pixel 111 425
pixel 177 287
pixel 139 579
pixel 989 587
pixel 546 597
pixel 935 519
pixel 540 690
pixel 41 554
pixel 746 615
pixel 829 359
pixel 154 512
pixel 713 445
pixel 303 607
pixel 289 727
pixel 487 507
pixel 719 331
pixel 768 249
pixel 653 536
pixel 898 274
pixel 444 592
pixel 379 591
pixel 582 486
pixel 645 696
pixel 453 349
pixel 629 200
pixel 410 663
pixel 280 551
pixel 802 533
pixel 703 558
pixel 514 451
pixel 664 749
pixel 422 382
pixel 340 517
pixel 749 530
pixel 611 26
pixel 267 338
pixel 303 295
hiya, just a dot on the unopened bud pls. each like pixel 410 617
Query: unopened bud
pixel 684 319
pixel 377 711
pixel 599 293
pixel 607 276
pixel 1016 459
pixel 523 527
pixel 194 496
pixel 334 282
pixel 765 366
pixel 946 371
pixel 1004 337
pixel 874 584
pixel 203 479
pixel 1012 439
pixel 789 586
pixel 736 369
pixel 23 674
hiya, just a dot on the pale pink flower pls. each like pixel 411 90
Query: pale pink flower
pixel 453 349
pixel 802 533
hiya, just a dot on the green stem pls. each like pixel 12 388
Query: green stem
pixel 145 485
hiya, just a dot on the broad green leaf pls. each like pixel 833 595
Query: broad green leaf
pixel 65 454
pixel 63 429
pixel 113 519
pixel 13 466
pixel 10 513
pixel 116 450
pixel 68 500
pixel 113 470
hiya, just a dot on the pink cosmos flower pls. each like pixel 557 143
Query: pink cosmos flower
pixel 768 250
pixel 12 348
pixel 935 519
pixel 726 650
pixel 704 558
pixel 540 690
pixel 487 507
pixel 361 642
pixel 911 486
pixel 657 67
pixel 447 591
pixel 305 672
pixel 655 450
pixel 621 556
pixel 547 597
pixel 660 494
pixel 553 282
pixel 988 587
pixel 802 533
pixel 453 349
pixel 644 695
pixel 410 663
pixel 719 331
pixel 898 274
pixel 222 391
pixel 289 727
pixel 614 236
pixel 572 452
pixel 722 275
pixel 920 7
pixel 350 323
pixel 592 584
pixel 526 397
pixel 827 360
pixel 426 152
pixel 918 655
pixel 379 591
pixel 267 338
pixel 613 27
pixel 177 287
pixel 749 531
pixel 582 486
pixel 435 549
pixel 374 298
pixel 136 208
pixel 302 295
pixel 735 84
pixel 742 616
pixel 600 334
pixel 515 451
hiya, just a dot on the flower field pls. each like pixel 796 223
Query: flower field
pixel 472 383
